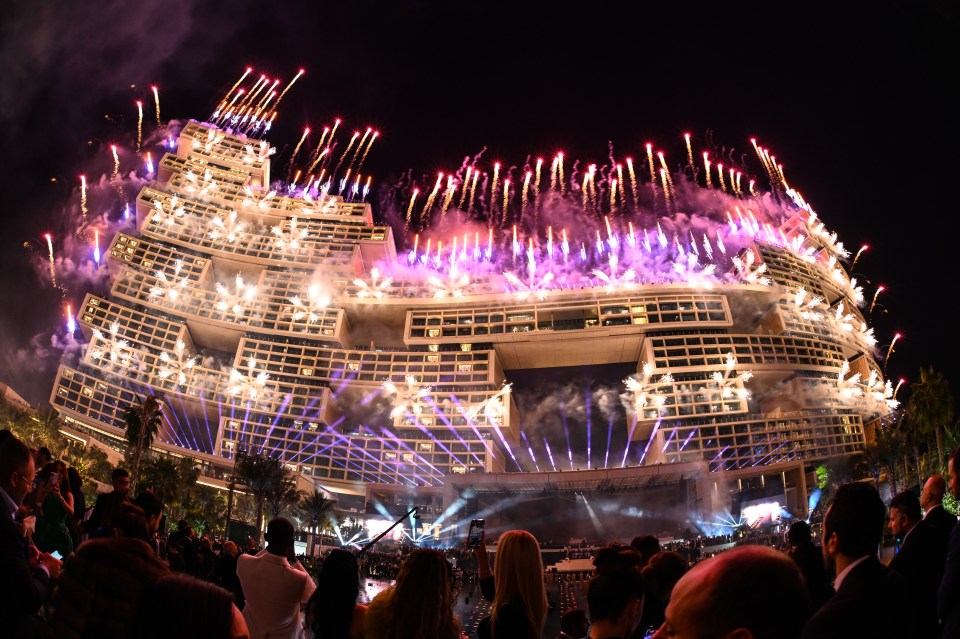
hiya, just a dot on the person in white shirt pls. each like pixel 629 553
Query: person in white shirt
pixel 274 585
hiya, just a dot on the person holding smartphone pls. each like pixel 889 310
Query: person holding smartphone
pixel 518 596
pixel 52 533
pixel 26 573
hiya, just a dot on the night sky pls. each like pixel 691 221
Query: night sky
pixel 856 105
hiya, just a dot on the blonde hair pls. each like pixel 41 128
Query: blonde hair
pixel 518 578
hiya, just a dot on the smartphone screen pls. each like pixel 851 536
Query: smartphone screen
pixel 475 534
pixel 56 555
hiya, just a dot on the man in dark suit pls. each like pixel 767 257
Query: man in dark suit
pixel 24 572
pixel 852 529
pixel 931 500
pixel 948 599
pixel 109 505
pixel 919 560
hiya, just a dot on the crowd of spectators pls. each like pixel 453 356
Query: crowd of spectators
pixel 109 574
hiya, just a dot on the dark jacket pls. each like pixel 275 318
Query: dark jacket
pixel 23 588
pixel 225 576
pixel 857 609
pixel 920 561
pixel 942 522
pixel 948 598
pixel 101 519
pixel 100 585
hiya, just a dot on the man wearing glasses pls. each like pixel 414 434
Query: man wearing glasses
pixel 24 571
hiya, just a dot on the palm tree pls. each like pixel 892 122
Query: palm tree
pixel 317 508
pixel 263 476
pixel 286 495
pixel 930 408
pixel 883 453
pixel 143 421
pixel 159 474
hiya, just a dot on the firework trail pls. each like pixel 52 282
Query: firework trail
pixel 224 106
pixel 430 199
pixel 686 138
pixel 506 197
pixel 873 303
pixel 413 199
pixel 560 173
pixel 287 88
pixel 886 358
pixel 473 189
pixel 139 125
pixel 156 102
pixel 296 149
pixel 356 134
pixel 363 140
pixel 857 257
pixel 363 157
pixel 83 201
pixel 633 184
pixel 723 186
pixel 53 272
pixel 466 187
pixel 524 192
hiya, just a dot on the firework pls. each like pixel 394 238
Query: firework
pixel 706 166
pixel 465 189
pixel 363 157
pixel 287 88
pixel 431 198
pixel 139 125
pixel 156 102
pixel 53 273
pixel 723 185
pixel 873 302
pixel 524 191
pixel 857 257
pixel 506 197
pixel 356 134
pixel 473 189
pixel 536 184
pixel 296 149
pixel 633 181
pixel 897 389
pixel 83 200
pixel 560 178
pixel 72 324
pixel 886 358
pixel 686 138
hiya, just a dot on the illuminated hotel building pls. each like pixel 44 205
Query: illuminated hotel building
pixel 291 325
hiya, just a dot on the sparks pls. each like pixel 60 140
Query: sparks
pixel 156 101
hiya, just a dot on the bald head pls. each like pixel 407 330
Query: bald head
pixel 753 589
pixel 933 492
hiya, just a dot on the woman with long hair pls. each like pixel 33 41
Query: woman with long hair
pixel 333 611
pixel 420 605
pixel 57 501
pixel 520 599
